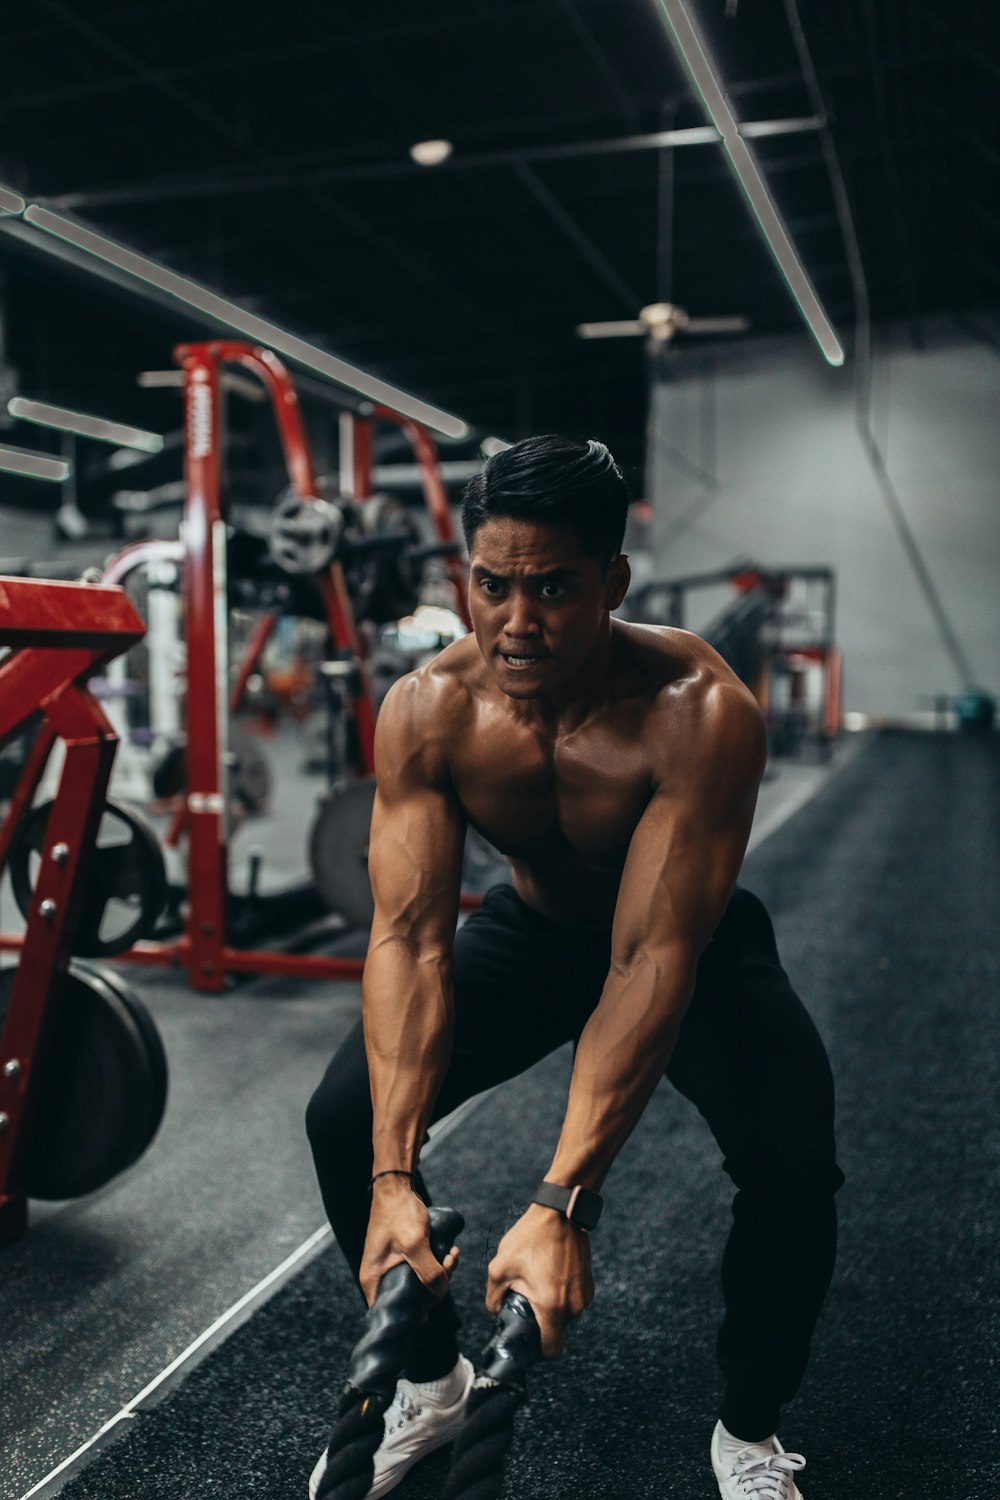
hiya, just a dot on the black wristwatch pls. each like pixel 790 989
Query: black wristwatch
pixel 577 1204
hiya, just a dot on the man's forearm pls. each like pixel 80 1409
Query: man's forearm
pixel 408 1039
pixel 622 1054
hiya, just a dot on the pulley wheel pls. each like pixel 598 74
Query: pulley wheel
pixel 124 883
pixel 100 1087
pixel 338 851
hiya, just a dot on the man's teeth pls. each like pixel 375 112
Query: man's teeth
pixel 519 660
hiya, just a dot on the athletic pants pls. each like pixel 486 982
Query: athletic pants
pixel 747 1055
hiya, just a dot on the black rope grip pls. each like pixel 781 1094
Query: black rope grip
pixel 514 1346
pixel 394 1316
pixel 487 1432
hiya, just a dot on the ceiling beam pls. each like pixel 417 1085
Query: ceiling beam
pixel 224 186
pixel 246 143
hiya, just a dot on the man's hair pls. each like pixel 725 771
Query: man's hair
pixel 557 481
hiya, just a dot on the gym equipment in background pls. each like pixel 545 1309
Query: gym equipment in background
pixel 101 1086
pixel 82 1072
pixel 778 637
pixel 351 548
pixel 126 881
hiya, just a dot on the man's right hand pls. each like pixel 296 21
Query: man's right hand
pixel 399 1230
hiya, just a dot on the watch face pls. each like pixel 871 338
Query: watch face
pixel 585 1208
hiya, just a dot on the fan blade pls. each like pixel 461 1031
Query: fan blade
pixel 626 329
pixel 736 324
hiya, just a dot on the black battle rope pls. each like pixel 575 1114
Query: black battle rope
pixel 500 1389
pixel 374 1367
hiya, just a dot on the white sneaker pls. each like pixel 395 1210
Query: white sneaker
pixel 760 1471
pixel 414 1426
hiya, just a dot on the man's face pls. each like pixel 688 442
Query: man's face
pixel 539 605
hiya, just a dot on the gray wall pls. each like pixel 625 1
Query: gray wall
pixel 759 458
pixel 26 533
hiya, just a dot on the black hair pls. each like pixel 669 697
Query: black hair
pixel 558 481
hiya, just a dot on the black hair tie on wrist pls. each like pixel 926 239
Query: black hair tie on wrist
pixel 390 1172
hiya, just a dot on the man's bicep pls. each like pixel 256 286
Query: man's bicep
pixel 417 833
pixel 686 852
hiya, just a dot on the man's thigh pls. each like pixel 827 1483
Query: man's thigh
pixel 750 1058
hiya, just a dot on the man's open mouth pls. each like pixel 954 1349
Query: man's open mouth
pixel 520 661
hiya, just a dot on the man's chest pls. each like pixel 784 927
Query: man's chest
pixel 537 797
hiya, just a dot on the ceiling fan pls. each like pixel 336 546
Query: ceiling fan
pixel 660 322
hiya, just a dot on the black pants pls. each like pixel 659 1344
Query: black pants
pixel 747 1055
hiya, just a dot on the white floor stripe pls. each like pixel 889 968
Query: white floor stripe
pixel 256 1294
pixel 438 1132
pixel 232 1316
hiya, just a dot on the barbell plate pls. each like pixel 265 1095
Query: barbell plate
pixel 99 1094
pixel 304 534
pixel 395 588
pixel 124 883
pixel 153 1042
pixel 338 851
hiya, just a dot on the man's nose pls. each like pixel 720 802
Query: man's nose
pixel 522 619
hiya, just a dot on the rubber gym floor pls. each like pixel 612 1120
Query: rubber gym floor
pixel 885 891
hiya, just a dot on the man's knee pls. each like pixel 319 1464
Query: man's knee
pixel 786 1175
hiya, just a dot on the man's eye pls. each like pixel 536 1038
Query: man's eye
pixel 489 586
pixel 552 590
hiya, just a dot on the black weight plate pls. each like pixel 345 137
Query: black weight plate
pixel 170 772
pixel 149 1033
pixel 338 851
pixel 97 1103
pixel 395 589
pixel 125 883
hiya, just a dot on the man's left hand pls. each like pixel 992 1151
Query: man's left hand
pixel 547 1259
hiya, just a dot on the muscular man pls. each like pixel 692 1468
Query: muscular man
pixel 616 766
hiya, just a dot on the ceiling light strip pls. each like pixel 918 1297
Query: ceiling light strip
pixel 34 465
pixel 64 420
pixel 232 316
pixel 11 202
pixel 693 52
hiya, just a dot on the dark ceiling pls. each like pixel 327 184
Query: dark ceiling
pixel 263 151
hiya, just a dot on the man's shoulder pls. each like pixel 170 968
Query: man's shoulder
pixel 680 667
pixel 431 701
pixel 699 706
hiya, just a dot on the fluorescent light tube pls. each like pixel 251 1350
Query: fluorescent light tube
pixel 33 465
pixel 229 313
pixel 11 202
pixel 693 52
pixel 79 422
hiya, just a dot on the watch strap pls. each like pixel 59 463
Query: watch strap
pixel 579 1205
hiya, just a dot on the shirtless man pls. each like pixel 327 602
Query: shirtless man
pixel 616 766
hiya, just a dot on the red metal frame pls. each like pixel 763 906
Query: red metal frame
pixel 435 495
pixel 60 633
pixel 202 949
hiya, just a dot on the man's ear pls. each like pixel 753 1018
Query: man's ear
pixel 617 582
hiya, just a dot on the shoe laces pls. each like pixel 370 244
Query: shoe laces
pixel 766 1478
